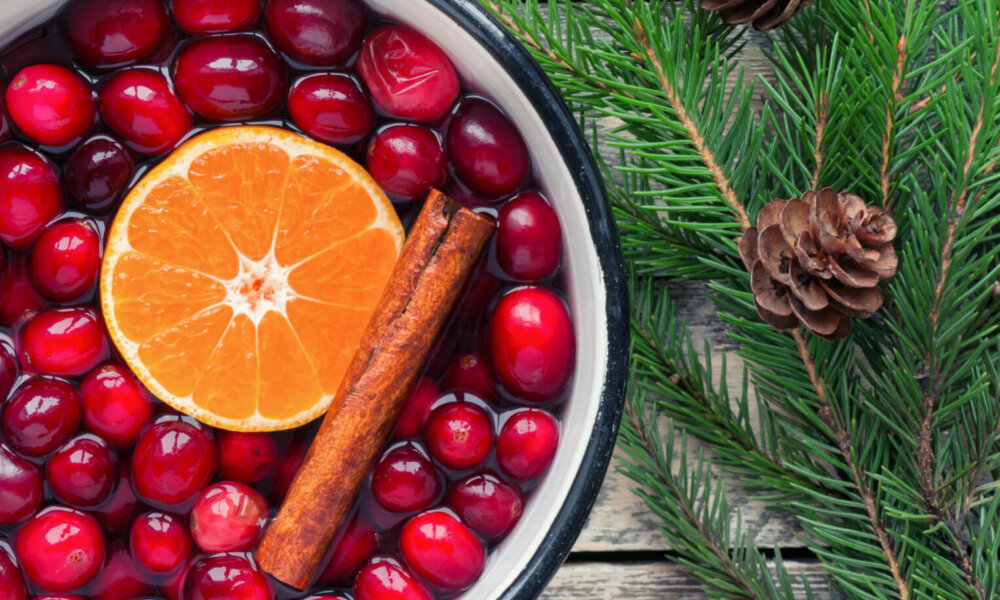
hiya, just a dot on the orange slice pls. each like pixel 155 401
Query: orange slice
pixel 241 272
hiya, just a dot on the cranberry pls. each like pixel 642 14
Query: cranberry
pixel 531 343
pixel 332 108
pixel 408 75
pixel 159 542
pixel 40 416
pixel 487 504
pixel 406 161
pixel 287 469
pixel 8 369
pixel 417 408
pixel 469 372
pixel 121 578
pixel 317 32
pixel 116 514
pixel 60 549
pixel 439 548
pixel 66 342
pixel 247 457
pixel 11 581
pixel 172 461
pixel 228 516
pixel 97 172
pixel 111 33
pixel 481 289
pixel 459 435
pixel 140 106
pixel 83 472
pixel 30 195
pixel 527 443
pixel 115 405
pixel 5 132
pixel 18 298
pixel 20 490
pixel 51 104
pixel 215 16
pixel 486 150
pixel 385 578
pixel 356 544
pixel 229 78
pixel 405 480
pixel 529 239
pixel 226 577
pixel 65 261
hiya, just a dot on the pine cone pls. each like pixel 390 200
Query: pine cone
pixel 817 260
pixel 765 14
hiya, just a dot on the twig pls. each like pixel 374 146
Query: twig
pixel 822 113
pixel 898 77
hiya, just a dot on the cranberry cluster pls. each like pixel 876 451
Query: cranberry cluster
pixel 107 493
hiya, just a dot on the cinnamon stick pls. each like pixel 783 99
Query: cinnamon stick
pixel 439 254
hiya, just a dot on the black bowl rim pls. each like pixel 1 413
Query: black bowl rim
pixel 563 129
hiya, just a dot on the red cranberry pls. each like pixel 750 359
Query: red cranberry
pixel 332 108
pixel 406 161
pixel 529 239
pixel 439 548
pixel 66 342
pixel 172 461
pixel 408 75
pixel 159 542
pixel 317 32
pixel 111 33
pixel 527 443
pixel 115 405
pixel 228 516
pixel 60 549
pixel 83 472
pixel 287 469
pixel 65 261
pixel 8 370
pixel 97 172
pixel 18 298
pixel 229 78
pixel 20 491
pixel 40 416
pixel 215 16
pixel 11 581
pixel 486 149
pixel 459 435
pixel 140 106
pixel 30 195
pixel 487 504
pixel 417 408
pixel 173 588
pixel 51 104
pixel 356 544
pixel 469 372
pixel 116 514
pixel 481 289
pixel 385 578
pixel 226 577
pixel 532 345
pixel 246 457
pixel 121 579
pixel 405 480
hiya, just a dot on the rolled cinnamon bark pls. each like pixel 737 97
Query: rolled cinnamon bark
pixel 444 244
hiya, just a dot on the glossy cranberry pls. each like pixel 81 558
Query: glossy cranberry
pixel 172 461
pixel 385 578
pixel 459 435
pixel 442 550
pixel 487 504
pixel 332 108
pixel 228 516
pixel 470 372
pixel 97 172
pixel 121 578
pixel 115 405
pixel 51 104
pixel 66 342
pixel 111 33
pixel 532 345
pixel 226 577
pixel 18 298
pixel 140 106
pixel 8 369
pixel 317 32
pixel 60 549
pixel 215 16
pixel 30 195
pixel 20 490
pixel 355 544
pixel 12 585
pixel 40 416
pixel 481 289
pixel 406 161
pixel 83 471
pixel 159 542
pixel 65 261
pixel 247 457
pixel 408 75
pixel 116 514
pixel 287 469
pixel 486 150
pixel 527 443
pixel 529 239
pixel 417 408
pixel 405 480
pixel 229 78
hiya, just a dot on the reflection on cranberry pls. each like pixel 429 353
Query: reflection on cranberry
pixel 227 577
pixel 405 480
pixel 110 33
pixel 417 408
pixel 486 149
pixel 159 542
pixel 116 514
pixel 529 239
pixel 30 195
pixel 172 461
pixel 18 298
pixel 66 342
pixel 65 261
pixel 215 16
pixel 12 585
pixel 40 416
pixel 487 504
pixel 407 161
pixel 8 369
pixel 140 106
pixel 20 490
pixel 527 443
pixel 459 435
pixel 83 471
pixel 247 456
pixel 442 550
pixel 317 32
pixel 96 173
pixel 228 516
pixel 115 405
pixel 385 577
pixel 60 549
pixel 357 543
pixel 51 104
pixel 332 108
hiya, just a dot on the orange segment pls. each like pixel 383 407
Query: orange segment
pixel 241 273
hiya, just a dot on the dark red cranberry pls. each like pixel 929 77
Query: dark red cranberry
pixel 356 543
pixel 487 504
pixel 41 415
pixel 159 542
pixel 11 581
pixel 486 150
pixel 83 471
pixel 8 369
pixel 228 516
pixel 527 443
pixel 229 78
pixel 529 239
pixel 459 435
pixel 417 408
pixel 406 161
pixel 20 490
pixel 405 480
pixel 332 108
pixel 532 345
pixel 287 469
pixel 409 77
pixel 247 457
pixel 112 33
pixel 226 577
pixel 30 195
pixel 385 578
pixel 66 342
pixel 65 261
pixel 115 405
pixel 18 298
pixel 140 106
pixel 5 131
pixel 60 549
pixel 469 372
pixel 97 172
pixel 116 514
pixel 215 16
pixel 461 193
pixel 481 289
pixel 172 461
pixel 51 104
pixel 317 32
pixel 442 550
pixel 121 578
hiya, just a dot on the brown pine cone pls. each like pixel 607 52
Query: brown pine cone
pixel 765 14
pixel 816 260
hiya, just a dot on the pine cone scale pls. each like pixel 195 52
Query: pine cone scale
pixel 768 292
pixel 764 14
pixel 776 256
pixel 822 322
